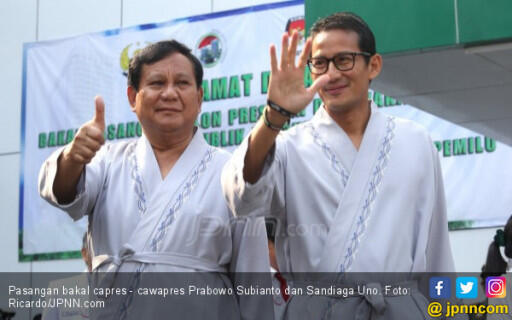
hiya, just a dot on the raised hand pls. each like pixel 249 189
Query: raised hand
pixel 286 87
pixel 89 138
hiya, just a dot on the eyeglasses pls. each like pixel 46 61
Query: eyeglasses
pixel 343 61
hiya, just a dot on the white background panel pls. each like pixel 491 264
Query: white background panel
pixel 500 128
pixel 469 248
pixel 9 190
pixel 137 12
pixel 70 265
pixel 66 18
pixel 17 25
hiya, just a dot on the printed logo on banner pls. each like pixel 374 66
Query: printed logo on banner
pixel 210 49
pixel 127 54
pixel 297 23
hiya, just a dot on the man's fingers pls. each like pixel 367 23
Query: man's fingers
pixel 99 115
pixel 273 59
pixel 319 83
pixel 292 52
pixel 284 52
pixel 85 152
pixel 78 158
pixel 84 148
pixel 304 56
pixel 93 144
pixel 93 132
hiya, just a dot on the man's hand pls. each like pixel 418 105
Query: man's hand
pixel 89 138
pixel 286 86
pixel 87 141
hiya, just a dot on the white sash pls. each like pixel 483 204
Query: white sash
pixel 166 258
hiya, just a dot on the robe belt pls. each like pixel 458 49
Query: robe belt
pixel 166 258
pixel 374 302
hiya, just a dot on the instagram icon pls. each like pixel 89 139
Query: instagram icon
pixel 495 287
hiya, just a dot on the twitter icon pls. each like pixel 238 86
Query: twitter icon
pixel 466 288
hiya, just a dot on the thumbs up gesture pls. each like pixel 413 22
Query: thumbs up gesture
pixel 89 138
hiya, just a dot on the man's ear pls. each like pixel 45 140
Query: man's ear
pixel 375 66
pixel 132 97
pixel 200 97
pixel 201 94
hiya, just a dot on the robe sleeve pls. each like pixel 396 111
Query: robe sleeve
pixel 251 270
pixel 266 196
pixel 87 189
pixel 438 252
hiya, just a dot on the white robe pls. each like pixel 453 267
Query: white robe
pixel 140 222
pixel 377 209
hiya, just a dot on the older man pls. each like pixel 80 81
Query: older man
pixel 155 204
pixel 353 189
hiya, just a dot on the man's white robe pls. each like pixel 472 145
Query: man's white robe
pixel 140 222
pixel 377 209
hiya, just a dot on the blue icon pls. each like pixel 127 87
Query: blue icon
pixel 440 287
pixel 466 287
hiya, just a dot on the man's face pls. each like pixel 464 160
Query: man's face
pixel 345 89
pixel 168 98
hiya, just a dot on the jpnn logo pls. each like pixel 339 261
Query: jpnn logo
pixel 440 287
pixel 466 287
pixel 495 287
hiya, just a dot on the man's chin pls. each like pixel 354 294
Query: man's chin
pixel 168 125
pixel 337 106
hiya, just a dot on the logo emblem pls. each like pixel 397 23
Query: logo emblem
pixel 210 49
pixel 297 23
pixel 466 287
pixel 127 54
pixel 495 287
pixel 440 287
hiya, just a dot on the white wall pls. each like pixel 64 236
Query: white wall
pixel 31 20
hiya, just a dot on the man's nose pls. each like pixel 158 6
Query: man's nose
pixel 332 71
pixel 169 92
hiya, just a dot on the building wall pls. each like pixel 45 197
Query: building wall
pixel 37 20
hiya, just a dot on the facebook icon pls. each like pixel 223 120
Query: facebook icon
pixel 440 287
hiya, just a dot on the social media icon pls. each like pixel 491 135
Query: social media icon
pixel 466 287
pixel 440 287
pixel 495 287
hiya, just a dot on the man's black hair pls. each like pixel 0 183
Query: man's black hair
pixel 508 238
pixel 271 226
pixel 348 21
pixel 156 52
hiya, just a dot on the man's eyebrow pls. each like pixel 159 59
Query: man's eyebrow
pixel 184 74
pixel 154 74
